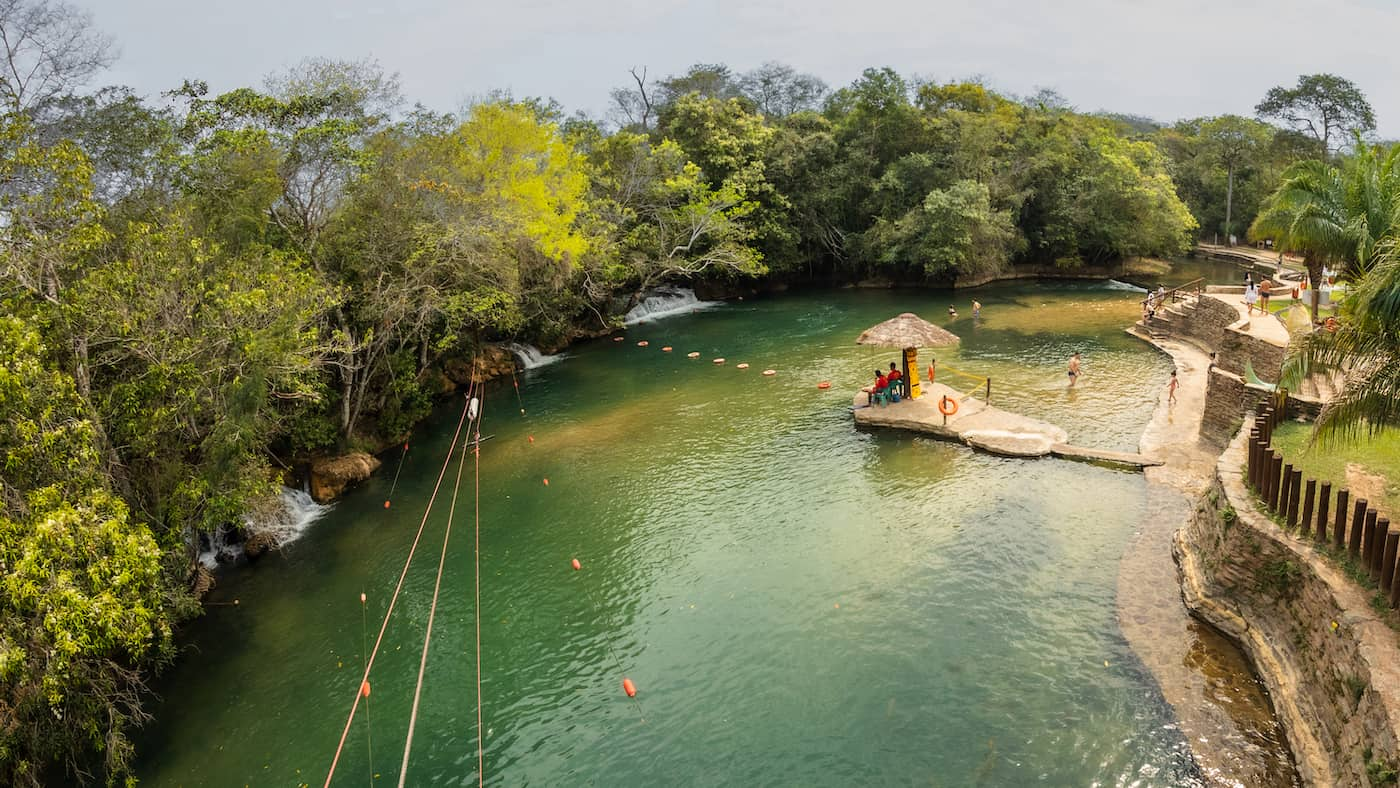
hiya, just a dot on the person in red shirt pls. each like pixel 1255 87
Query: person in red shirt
pixel 881 383
pixel 895 378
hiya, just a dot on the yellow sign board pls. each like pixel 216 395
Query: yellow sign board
pixel 911 370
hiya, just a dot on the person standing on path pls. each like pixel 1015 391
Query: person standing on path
pixel 1251 297
pixel 1073 369
pixel 1264 288
pixel 1172 386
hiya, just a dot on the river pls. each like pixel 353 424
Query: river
pixel 797 601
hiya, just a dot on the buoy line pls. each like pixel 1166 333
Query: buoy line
pixel 393 599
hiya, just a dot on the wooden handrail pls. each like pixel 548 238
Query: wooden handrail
pixel 1194 286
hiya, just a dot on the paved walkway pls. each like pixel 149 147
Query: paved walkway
pixel 983 426
pixel 1219 705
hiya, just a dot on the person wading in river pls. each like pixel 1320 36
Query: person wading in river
pixel 1073 369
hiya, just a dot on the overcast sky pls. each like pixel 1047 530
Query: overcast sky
pixel 1166 60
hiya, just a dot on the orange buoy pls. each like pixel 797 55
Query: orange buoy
pixel 719 361
pixel 627 687
pixel 692 355
pixel 405 446
pixel 546 482
pixel 618 339
pixel 577 565
pixel 386 504
pixel 947 405
pixel 362 597
pixel 825 384
pixel 666 349
pixel 530 438
pixel 930 373
pixel 742 366
pixel 768 373
pixel 364 688
pixel 643 343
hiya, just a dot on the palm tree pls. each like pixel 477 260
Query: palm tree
pixel 1307 214
pixel 1335 217
pixel 1365 351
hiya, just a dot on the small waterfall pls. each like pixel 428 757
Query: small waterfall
pixel 1114 284
pixel 530 356
pixel 665 302
pixel 282 520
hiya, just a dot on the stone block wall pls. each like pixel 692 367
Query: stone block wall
pixel 1331 665
pixel 1228 397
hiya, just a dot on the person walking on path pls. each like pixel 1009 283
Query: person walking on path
pixel 1251 296
pixel 1172 386
pixel 1264 288
pixel 1073 369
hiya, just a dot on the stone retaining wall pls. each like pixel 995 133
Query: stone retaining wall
pixel 1330 663
pixel 1228 397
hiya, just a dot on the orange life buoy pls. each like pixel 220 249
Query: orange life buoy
pixel 947 405
pixel 825 384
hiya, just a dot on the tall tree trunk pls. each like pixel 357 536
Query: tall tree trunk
pixel 1315 268
pixel 1229 204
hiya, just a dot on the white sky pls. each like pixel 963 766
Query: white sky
pixel 1166 60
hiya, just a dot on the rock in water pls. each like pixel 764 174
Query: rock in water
pixel 330 476
pixel 256 544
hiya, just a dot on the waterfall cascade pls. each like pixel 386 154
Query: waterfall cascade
pixel 282 521
pixel 531 356
pixel 665 302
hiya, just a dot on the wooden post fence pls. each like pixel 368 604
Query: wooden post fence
pixel 1368 540
pixel 1309 493
pixel 1295 482
pixel 1324 500
pixel 1339 531
pixel 1392 538
pixel 1358 519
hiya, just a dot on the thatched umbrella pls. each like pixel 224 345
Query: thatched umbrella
pixel 907 332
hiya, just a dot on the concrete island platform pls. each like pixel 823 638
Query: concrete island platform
pixel 984 427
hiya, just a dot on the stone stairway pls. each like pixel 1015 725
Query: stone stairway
pixel 1169 317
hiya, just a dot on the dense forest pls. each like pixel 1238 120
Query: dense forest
pixel 198 289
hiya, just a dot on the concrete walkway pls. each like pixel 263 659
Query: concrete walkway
pixel 1219 705
pixel 984 427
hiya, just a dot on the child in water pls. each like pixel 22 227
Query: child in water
pixel 951 311
pixel 976 308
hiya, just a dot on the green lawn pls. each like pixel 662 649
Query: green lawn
pixel 1379 455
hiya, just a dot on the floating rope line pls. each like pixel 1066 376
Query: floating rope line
pixel 359 690
pixel 364 637
pixel 395 485
pixel 437 587
pixel 616 661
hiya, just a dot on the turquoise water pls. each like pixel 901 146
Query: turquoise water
pixel 797 601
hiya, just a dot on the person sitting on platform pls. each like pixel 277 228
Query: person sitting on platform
pixel 895 378
pixel 881 383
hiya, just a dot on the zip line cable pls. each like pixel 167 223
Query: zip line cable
pixel 432 607
pixel 359 691
pixel 476 558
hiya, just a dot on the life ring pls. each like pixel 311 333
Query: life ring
pixel 824 385
pixel 947 405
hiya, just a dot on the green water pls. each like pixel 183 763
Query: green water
pixel 798 602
